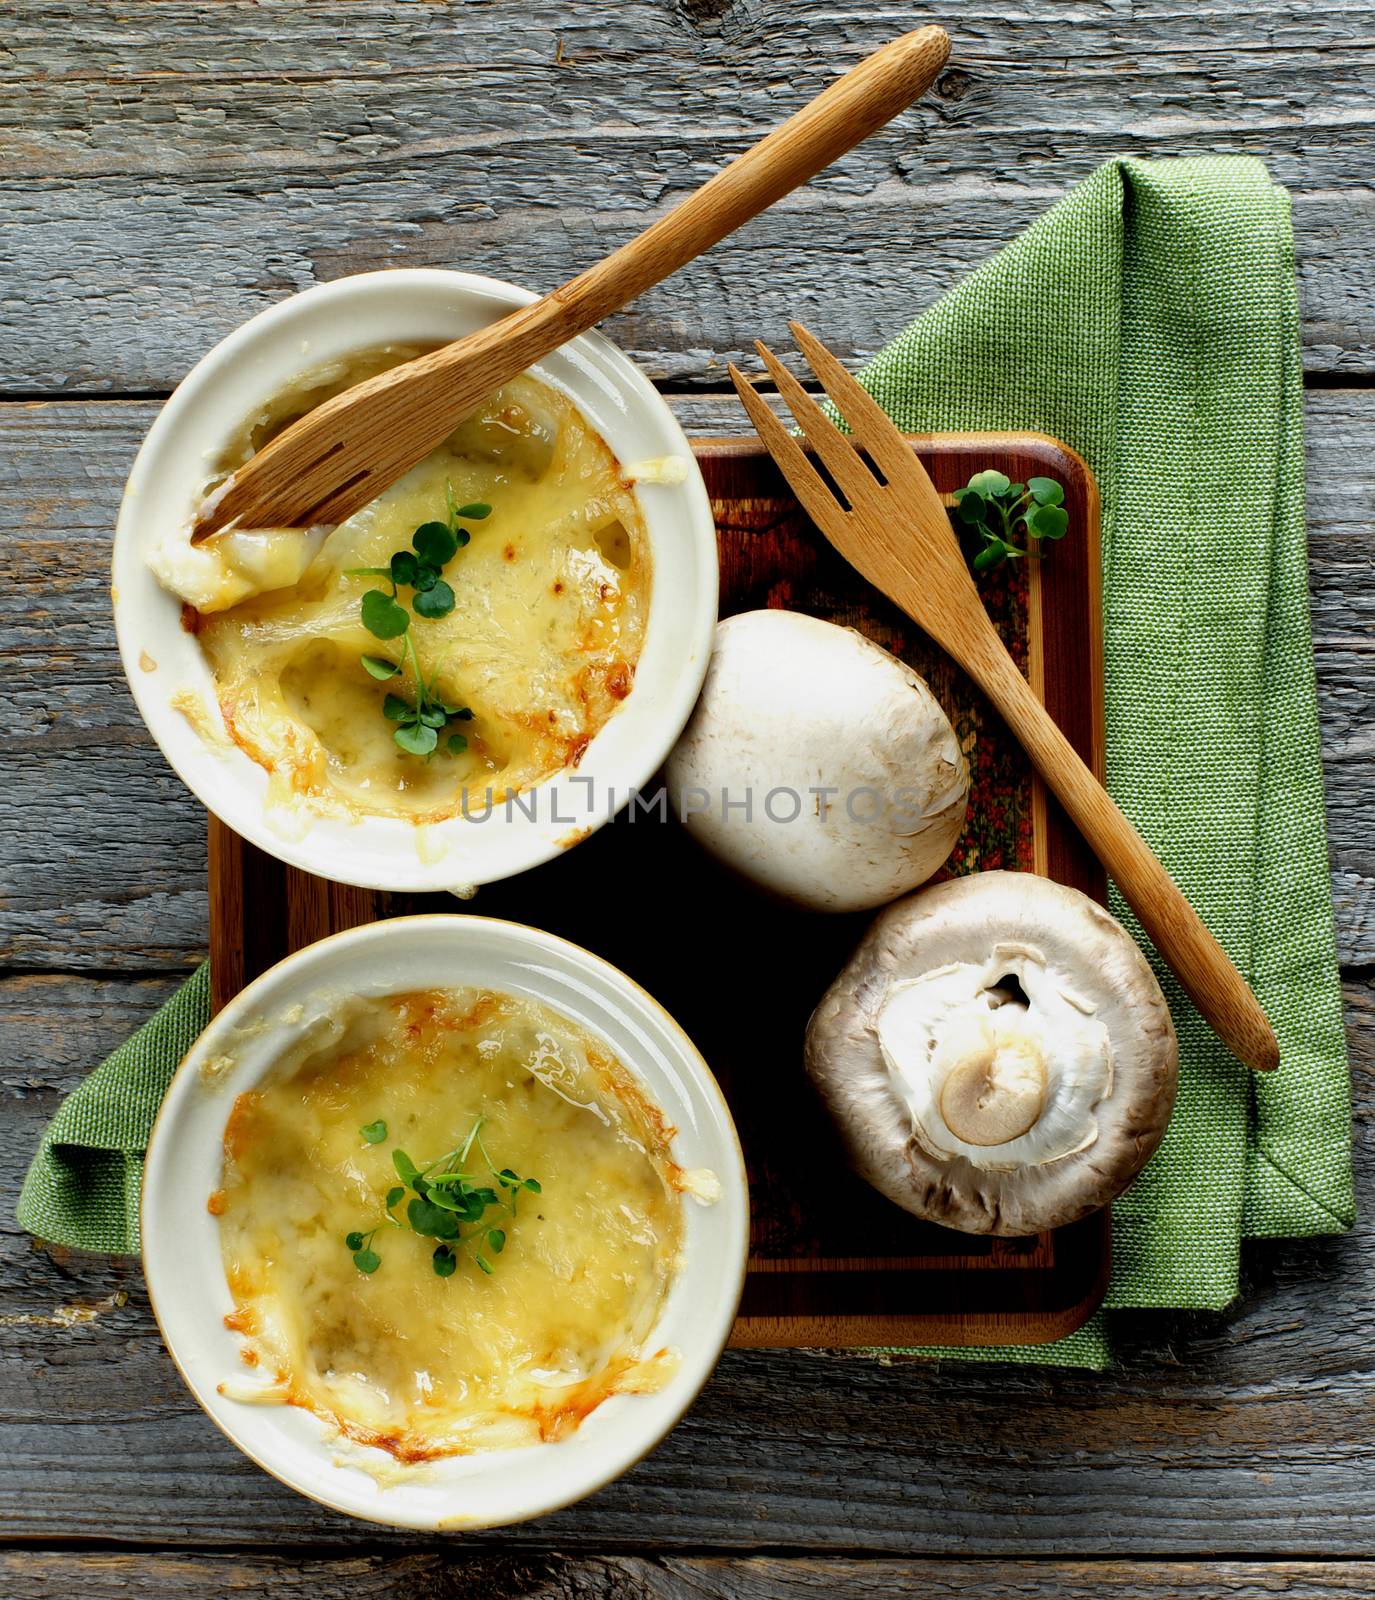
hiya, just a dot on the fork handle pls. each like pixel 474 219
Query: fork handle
pixel 846 111
pixel 1202 966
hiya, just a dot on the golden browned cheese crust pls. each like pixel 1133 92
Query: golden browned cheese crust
pixel 416 1364
pixel 552 596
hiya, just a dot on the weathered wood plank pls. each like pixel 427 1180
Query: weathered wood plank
pixel 125 888
pixel 169 172
pixel 1236 1432
pixel 449 1575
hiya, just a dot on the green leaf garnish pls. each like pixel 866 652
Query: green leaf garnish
pixel 428 1218
pixel 445 1261
pixel 1048 522
pixel 404 568
pixel 435 543
pixel 437 601
pixel 990 483
pixel 446 1198
pixel 374 1132
pixel 420 569
pixel 381 615
pixel 995 510
pixel 416 739
pixel 379 667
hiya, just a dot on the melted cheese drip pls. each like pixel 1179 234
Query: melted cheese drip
pixel 552 596
pixel 424 1366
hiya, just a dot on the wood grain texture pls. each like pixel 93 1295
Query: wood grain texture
pixel 1241 1432
pixel 168 170
pixel 171 169
pixel 347 451
pixel 29 1575
pixel 127 891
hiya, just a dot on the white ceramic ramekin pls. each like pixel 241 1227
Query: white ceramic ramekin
pixel 181 1247
pixel 163 662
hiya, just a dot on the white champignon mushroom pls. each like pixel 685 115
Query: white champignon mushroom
pixel 817 765
pixel 997 1054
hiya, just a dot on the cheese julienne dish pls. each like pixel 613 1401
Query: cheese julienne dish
pixel 508 576
pixel 450 1222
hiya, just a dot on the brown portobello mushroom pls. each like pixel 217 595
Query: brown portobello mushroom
pixel 997 1054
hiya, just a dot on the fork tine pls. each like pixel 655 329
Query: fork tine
pixel 868 422
pixel 807 483
pixel 835 450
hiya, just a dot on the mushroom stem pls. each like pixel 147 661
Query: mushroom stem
pixel 995 1091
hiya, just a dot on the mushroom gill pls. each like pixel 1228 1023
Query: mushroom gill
pixel 997 1054
pixel 1000 1083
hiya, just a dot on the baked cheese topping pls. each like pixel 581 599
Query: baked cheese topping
pixel 418 1364
pixel 552 595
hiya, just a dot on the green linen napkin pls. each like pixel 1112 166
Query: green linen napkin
pixel 1149 320
pixel 82 1187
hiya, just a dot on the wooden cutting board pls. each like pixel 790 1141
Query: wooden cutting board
pixel 832 1263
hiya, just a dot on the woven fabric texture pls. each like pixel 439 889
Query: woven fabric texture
pixel 82 1188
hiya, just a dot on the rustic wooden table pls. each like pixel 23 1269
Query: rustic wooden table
pixel 169 169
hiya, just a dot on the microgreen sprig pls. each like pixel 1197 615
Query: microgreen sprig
pixel 419 724
pixel 994 508
pixel 444 1200
pixel 365 1258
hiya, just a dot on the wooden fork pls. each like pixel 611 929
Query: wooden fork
pixel 896 532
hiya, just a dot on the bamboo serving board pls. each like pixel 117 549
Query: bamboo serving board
pixel 832 1263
